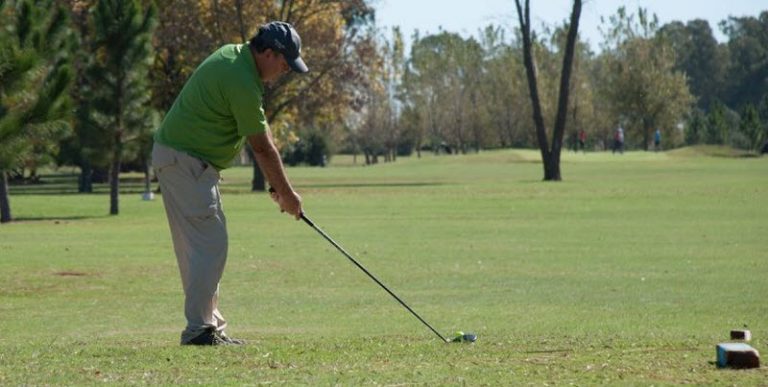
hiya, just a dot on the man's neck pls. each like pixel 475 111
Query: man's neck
pixel 255 56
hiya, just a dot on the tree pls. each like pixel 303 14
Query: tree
pixel 716 129
pixel 550 154
pixel 748 72
pixel 119 89
pixel 441 91
pixel 697 126
pixel 87 146
pixel 320 100
pixel 394 66
pixel 372 131
pixel 583 110
pixel 639 81
pixel 34 78
pixel 700 57
pixel 499 88
pixel 752 128
pixel 187 32
pixel 318 103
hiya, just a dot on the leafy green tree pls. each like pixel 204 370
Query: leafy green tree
pixel 500 88
pixel 748 70
pixel 640 82
pixel 716 129
pixel 700 57
pixel 441 81
pixel 762 112
pixel 118 77
pixel 751 127
pixel 696 127
pixel 34 79
pixel 87 145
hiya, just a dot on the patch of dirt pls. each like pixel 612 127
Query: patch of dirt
pixel 70 274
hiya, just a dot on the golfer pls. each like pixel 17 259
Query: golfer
pixel 217 111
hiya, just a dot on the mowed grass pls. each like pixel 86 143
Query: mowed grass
pixel 629 271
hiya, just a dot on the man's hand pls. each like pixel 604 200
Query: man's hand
pixel 290 203
pixel 270 164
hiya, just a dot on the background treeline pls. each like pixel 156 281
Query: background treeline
pixel 85 82
pixel 461 94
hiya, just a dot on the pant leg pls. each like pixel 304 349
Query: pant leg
pixel 198 230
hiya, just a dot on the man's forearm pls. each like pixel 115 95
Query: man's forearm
pixel 268 160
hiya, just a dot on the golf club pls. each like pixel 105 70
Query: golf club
pixel 460 336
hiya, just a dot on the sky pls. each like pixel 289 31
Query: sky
pixel 457 16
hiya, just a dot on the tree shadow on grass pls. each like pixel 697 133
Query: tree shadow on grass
pixel 373 185
pixel 61 190
pixel 55 219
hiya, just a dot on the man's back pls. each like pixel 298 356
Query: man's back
pixel 219 105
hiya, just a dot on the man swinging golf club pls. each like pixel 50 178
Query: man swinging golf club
pixel 219 108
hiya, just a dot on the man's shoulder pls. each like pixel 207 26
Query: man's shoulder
pixel 225 55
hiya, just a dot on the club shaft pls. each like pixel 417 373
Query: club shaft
pixel 346 254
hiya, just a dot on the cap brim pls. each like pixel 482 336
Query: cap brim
pixel 298 65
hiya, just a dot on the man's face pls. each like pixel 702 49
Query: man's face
pixel 275 66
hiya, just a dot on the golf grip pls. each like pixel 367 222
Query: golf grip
pixel 336 245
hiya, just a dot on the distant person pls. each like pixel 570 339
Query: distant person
pixel 573 141
pixel 618 140
pixel 657 140
pixel 582 140
pixel 219 109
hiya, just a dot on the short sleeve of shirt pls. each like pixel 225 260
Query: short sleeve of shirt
pixel 245 102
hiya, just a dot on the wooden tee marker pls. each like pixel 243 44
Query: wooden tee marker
pixel 737 355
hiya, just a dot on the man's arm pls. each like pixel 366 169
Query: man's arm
pixel 268 158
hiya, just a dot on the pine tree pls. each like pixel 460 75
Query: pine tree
pixel 118 77
pixel 34 81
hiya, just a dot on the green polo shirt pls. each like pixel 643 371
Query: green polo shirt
pixel 218 107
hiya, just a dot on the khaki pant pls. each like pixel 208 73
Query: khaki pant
pixel 190 190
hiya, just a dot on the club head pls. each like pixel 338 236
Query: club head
pixel 462 337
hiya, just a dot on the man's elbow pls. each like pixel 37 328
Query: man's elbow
pixel 260 144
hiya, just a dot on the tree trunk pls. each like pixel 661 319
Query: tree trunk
pixel 114 179
pixel 85 183
pixel 5 203
pixel 258 183
pixel 646 134
pixel 565 88
pixel 533 88
pixel 240 22
pixel 147 183
pixel 552 168
pixel 550 156
pixel 217 23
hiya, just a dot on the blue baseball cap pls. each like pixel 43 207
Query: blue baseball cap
pixel 283 38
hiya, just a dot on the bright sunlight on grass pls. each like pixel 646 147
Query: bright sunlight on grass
pixel 629 271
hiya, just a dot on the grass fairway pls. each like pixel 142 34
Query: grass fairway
pixel 629 271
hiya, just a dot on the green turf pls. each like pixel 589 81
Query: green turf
pixel 629 271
